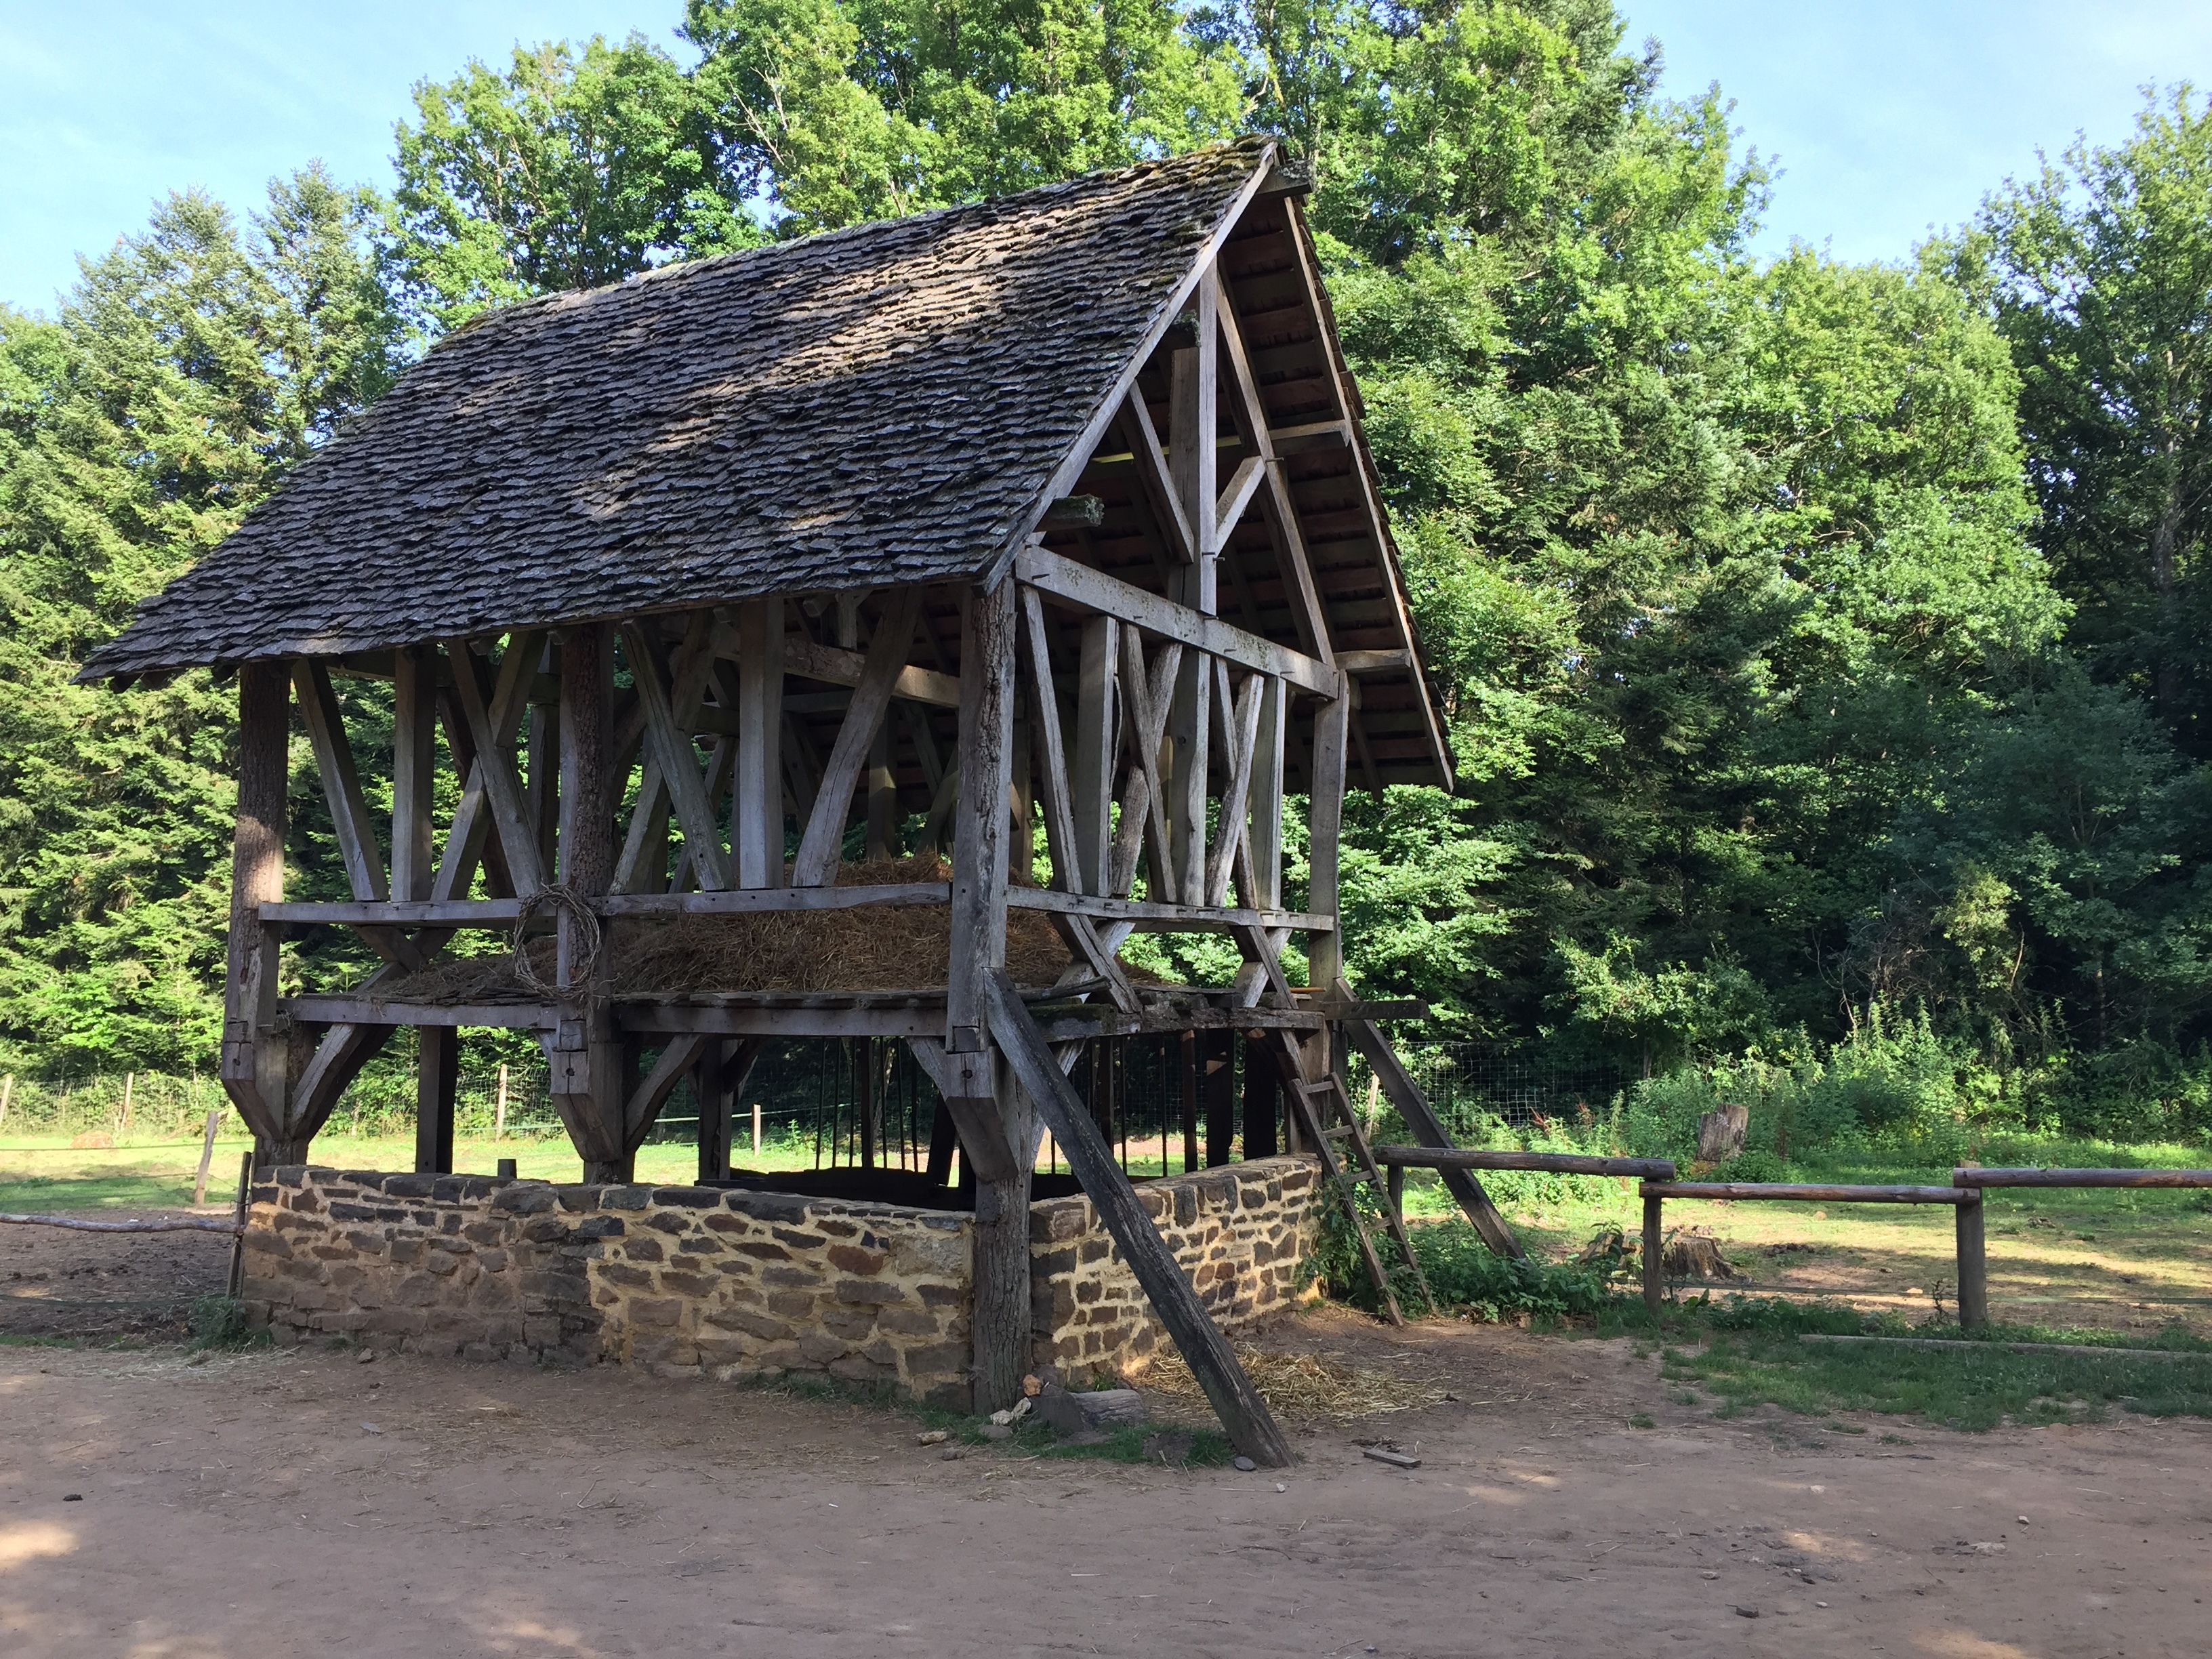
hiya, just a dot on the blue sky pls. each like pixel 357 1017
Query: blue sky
pixel 1886 118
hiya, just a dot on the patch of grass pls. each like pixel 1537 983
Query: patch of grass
pixel 1754 1356
pixel 219 1322
pixel 1643 1420
pixel 104 1189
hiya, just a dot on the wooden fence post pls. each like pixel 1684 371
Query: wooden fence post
pixel 499 1108
pixel 207 1155
pixel 1973 1265
pixel 1655 1251
pixel 756 1133
pixel 6 1094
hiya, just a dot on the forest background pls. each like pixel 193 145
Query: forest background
pixel 1823 644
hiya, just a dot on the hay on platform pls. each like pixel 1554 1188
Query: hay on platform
pixel 867 948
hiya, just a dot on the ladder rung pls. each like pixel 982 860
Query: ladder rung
pixel 1343 1132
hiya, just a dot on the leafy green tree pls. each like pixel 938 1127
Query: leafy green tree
pixel 2099 272
pixel 186 371
pixel 574 169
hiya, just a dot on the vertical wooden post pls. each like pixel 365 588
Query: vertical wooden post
pixel 1260 1093
pixel 587 1059
pixel 1267 799
pixel 1973 1264
pixel 865 1107
pixel 1393 1177
pixel 1655 1252
pixel 414 772
pixel 437 1076
pixel 544 761
pixel 756 1133
pixel 1325 951
pixel 979 857
pixel 980 849
pixel 256 1063
pixel 498 1107
pixel 757 806
pixel 1091 782
pixel 1187 1049
pixel 712 1088
pixel 1218 1077
pixel 883 795
pixel 944 1140
pixel 207 1149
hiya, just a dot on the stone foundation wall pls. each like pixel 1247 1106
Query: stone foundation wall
pixel 1242 1232
pixel 690 1281
pixel 680 1279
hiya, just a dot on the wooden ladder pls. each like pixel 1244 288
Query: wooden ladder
pixel 1326 1117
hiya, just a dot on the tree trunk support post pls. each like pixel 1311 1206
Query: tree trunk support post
pixel 588 1072
pixel 256 1063
pixel 1973 1264
pixel 987 1106
pixel 1654 1250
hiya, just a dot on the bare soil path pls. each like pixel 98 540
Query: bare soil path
pixel 276 1504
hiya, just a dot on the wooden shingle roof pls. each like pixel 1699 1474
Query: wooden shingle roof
pixel 880 405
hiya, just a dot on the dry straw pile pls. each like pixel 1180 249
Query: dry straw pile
pixel 865 948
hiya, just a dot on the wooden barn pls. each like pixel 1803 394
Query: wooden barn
pixel 790 590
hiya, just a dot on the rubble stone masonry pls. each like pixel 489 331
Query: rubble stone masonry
pixel 1242 1231
pixel 735 1285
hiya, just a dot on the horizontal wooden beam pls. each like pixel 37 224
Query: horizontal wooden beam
pixel 368 1011
pixel 1159 918
pixel 1972 1175
pixel 1798 1192
pixel 833 666
pixel 1093 590
pixel 1374 662
pixel 1448 1158
pixel 502 913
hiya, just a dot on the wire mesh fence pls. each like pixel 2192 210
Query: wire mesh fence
pixel 830 1103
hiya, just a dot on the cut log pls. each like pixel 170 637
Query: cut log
pixel 1099 1411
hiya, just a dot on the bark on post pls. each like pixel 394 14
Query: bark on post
pixel 587 1059
pixel 712 1091
pixel 1655 1265
pixel 256 1063
pixel 1973 1265
pixel 979 1100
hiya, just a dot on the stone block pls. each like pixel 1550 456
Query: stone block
pixel 683 1284
pixel 642 1249
pixel 852 1259
pixel 906 1322
pixel 820 1347
pixel 600 1227
pixel 792 1304
pixel 690 1198
pixel 875 1290
pixel 671 1221
pixel 658 1311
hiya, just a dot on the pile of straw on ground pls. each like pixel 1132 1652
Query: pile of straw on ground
pixel 1301 1384
pixel 864 949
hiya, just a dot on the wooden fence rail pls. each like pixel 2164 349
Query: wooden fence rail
pixel 1965 1193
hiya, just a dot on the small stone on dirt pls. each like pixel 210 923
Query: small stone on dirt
pixel 365 1356
pixel 953 1453
pixel 370 1428
pixel 932 1438
pixel 72 1497
pixel 1245 1466
pixel 997 1432
pixel 1746 1613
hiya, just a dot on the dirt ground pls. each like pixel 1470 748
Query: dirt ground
pixel 273 1503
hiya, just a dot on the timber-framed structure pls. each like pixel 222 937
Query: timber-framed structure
pixel 897 540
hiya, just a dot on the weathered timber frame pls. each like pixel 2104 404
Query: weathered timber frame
pixel 1197 619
